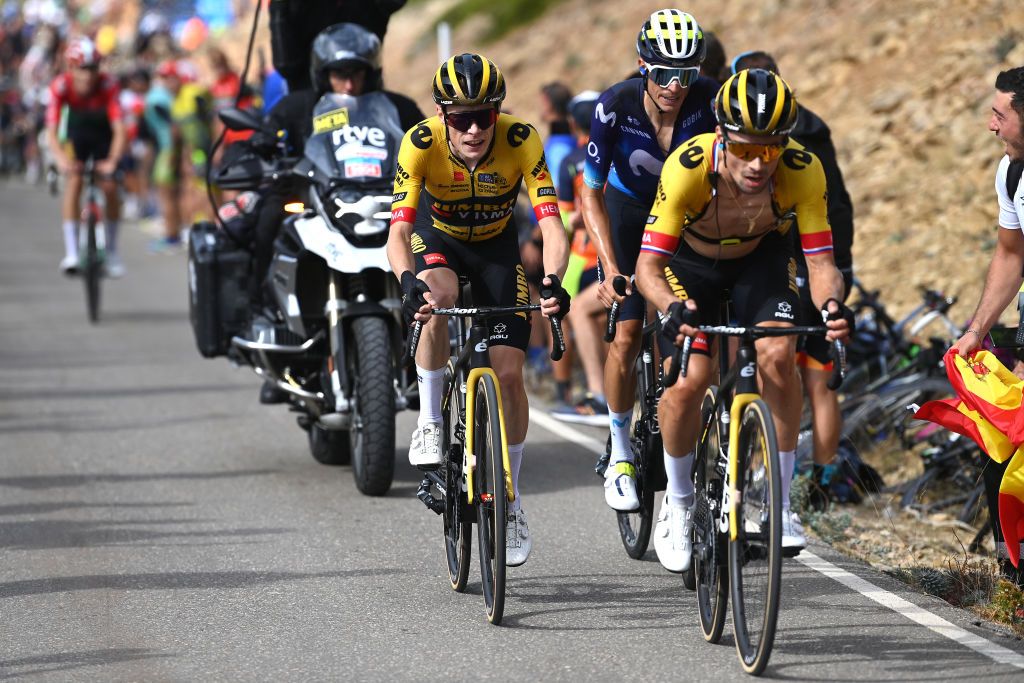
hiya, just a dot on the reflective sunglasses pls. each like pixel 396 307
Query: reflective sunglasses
pixel 748 151
pixel 462 121
pixel 664 75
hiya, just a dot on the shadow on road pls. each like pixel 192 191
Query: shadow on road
pixel 53 481
pixel 66 661
pixel 173 581
pixel 66 533
pixel 28 394
pixel 45 508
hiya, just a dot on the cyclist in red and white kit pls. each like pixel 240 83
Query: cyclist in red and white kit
pixel 83 121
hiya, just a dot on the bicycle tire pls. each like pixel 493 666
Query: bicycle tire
pixel 491 503
pixel 755 556
pixel 458 525
pixel 92 271
pixel 711 577
pixel 635 527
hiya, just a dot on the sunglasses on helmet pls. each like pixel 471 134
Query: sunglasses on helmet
pixel 664 75
pixel 748 151
pixel 462 121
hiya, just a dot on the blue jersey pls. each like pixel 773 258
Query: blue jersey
pixel 623 147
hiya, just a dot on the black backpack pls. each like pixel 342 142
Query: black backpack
pixel 1013 174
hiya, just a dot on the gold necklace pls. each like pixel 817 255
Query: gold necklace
pixel 751 222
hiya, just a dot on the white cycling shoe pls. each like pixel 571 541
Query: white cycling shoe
pixel 518 542
pixel 114 266
pixel 425 449
pixel 620 487
pixel 793 537
pixel 69 265
pixel 672 537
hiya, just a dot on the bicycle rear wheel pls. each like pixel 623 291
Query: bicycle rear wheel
pixel 635 526
pixel 489 484
pixel 755 556
pixel 91 271
pixel 458 525
pixel 709 545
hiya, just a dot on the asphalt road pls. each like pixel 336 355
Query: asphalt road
pixel 156 523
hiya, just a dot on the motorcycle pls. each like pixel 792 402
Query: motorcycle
pixel 333 341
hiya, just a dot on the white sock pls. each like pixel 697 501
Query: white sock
pixel 431 382
pixel 787 463
pixel 679 472
pixel 515 461
pixel 70 237
pixel 621 448
pixel 110 236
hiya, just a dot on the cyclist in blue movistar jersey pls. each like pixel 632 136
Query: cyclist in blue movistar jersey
pixel 636 125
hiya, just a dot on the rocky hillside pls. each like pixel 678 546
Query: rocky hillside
pixel 905 86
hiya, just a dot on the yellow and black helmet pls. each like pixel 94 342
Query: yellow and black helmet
pixel 756 102
pixel 468 79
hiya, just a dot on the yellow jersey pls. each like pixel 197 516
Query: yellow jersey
pixel 472 205
pixel 686 189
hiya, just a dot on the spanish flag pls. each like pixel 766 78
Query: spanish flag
pixel 988 410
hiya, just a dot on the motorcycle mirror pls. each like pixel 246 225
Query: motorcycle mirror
pixel 238 119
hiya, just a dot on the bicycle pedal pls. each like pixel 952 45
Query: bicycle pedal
pixel 601 466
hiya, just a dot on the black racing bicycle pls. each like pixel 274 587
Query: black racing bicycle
pixel 737 530
pixel 635 525
pixel 474 480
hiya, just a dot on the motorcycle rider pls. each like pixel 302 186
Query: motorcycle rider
pixel 345 59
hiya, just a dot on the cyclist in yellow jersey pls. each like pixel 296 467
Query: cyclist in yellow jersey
pixel 724 205
pixel 468 164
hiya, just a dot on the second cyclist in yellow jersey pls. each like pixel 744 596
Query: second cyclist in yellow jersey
pixel 472 204
pixel 689 183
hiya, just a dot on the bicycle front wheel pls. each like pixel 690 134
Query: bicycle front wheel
pixel 91 272
pixel 489 485
pixel 755 556
pixel 635 526
pixel 458 525
pixel 710 576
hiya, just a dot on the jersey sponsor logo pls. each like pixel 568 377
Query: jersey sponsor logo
pixel 325 123
pixel 459 176
pixel 635 131
pixel 539 169
pixel 641 159
pixel 599 114
pixel 434 259
pixel 785 311
pixel 797 159
pixel 401 175
pixel 416 243
pixel 650 219
pixel 421 137
pixel 517 134
pixel 522 290
pixel 545 209
pixel 593 151
pixel 474 211
pixel 676 285
pixel 547 192
pixel 399 196
pixel 691 157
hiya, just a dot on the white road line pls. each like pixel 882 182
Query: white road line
pixel 911 611
pixel 917 614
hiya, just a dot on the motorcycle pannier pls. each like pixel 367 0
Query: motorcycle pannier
pixel 218 283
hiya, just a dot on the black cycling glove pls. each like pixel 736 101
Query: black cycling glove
pixel 844 313
pixel 557 291
pixel 413 290
pixel 675 317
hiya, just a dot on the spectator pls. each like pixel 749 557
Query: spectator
pixel 587 315
pixel 714 61
pixel 1004 272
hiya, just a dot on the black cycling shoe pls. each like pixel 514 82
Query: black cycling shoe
pixel 270 394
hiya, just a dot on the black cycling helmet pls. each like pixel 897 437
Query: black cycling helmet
pixel 343 45
pixel 756 102
pixel 671 38
pixel 468 79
